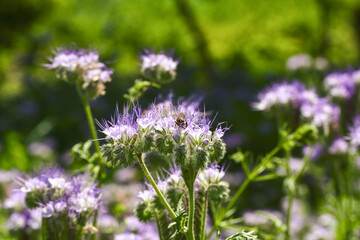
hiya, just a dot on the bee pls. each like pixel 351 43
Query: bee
pixel 180 121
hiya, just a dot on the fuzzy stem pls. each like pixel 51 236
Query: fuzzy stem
pixel 153 184
pixel 190 232
pixel 90 120
pixel 202 235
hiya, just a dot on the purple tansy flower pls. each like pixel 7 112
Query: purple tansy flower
pixel 339 146
pixel 354 132
pixel 15 201
pixel 25 220
pixel 340 84
pixel 279 94
pixel 33 184
pixel 151 61
pixel 299 61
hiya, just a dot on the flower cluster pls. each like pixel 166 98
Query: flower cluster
pixel 340 84
pixel 85 65
pixel 158 67
pixel 319 111
pixel 60 198
pixel 182 130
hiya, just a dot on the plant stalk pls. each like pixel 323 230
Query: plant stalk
pixel 153 184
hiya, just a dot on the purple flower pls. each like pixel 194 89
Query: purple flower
pixel 354 132
pixel 88 200
pixel 86 65
pixel 152 61
pixel 120 127
pixel 15 201
pixel 317 151
pixel 339 146
pixel 321 113
pixel 64 59
pixel 279 94
pixel 33 185
pixel 340 84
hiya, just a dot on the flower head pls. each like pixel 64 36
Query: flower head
pixel 340 84
pixel 354 132
pixel 299 61
pixel 279 94
pixel 159 67
pixel 85 64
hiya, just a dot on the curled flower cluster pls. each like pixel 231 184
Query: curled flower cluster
pixel 61 198
pixel 91 73
pixel 159 67
pixel 181 130
pixel 319 111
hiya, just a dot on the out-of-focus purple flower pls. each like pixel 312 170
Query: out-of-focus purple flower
pixel 356 76
pixel 279 94
pixel 25 220
pixel 339 146
pixel 87 201
pixel 340 84
pixel 48 210
pixel 138 230
pixel 15 201
pixel 33 185
pixel 321 113
pixel 317 151
pixel 354 132
pixel 107 223
pixel 64 59
pixel 151 61
pixel 299 61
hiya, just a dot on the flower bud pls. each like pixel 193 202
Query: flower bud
pixel 144 212
pixel 164 144
pixel 180 154
pixel 200 158
pixel 219 193
pixel 218 151
pixel 145 143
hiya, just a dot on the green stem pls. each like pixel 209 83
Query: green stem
pixel 259 169
pixel 202 235
pixel 288 215
pixel 153 184
pixel 290 196
pixel 190 232
pixel 90 120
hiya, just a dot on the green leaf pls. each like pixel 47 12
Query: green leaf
pixel 243 236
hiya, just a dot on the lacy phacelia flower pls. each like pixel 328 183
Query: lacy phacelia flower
pixel 58 195
pixel 135 230
pixel 182 130
pixel 90 71
pixel 321 112
pixel 279 94
pixel 340 84
pixel 158 67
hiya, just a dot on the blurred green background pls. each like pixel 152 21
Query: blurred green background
pixel 229 50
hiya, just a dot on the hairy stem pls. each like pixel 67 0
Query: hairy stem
pixel 153 184
pixel 90 120
pixel 190 231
